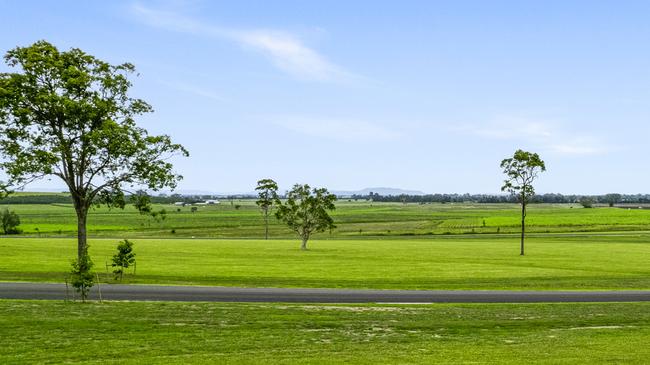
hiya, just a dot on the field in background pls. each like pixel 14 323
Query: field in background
pixel 376 245
pixel 181 333
pixel 242 219
pixel 442 262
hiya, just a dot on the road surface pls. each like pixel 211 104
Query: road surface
pixel 232 294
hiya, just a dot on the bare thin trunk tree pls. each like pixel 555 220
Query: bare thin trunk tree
pixel 266 224
pixel 523 224
pixel 521 171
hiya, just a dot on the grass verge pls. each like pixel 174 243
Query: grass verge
pixel 179 333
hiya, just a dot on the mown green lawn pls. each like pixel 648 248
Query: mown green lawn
pixel 353 220
pixel 445 262
pixel 181 333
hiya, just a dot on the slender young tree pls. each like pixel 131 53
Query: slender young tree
pixel 306 211
pixel 123 259
pixel 267 193
pixel 69 115
pixel 521 170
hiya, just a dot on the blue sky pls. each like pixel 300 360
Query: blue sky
pixel 422 95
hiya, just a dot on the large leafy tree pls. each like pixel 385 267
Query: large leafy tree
pixel 69 115
pixel 305 211
pixel 267 194
pixel 521 170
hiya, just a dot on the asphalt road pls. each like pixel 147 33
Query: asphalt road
pixel 230 294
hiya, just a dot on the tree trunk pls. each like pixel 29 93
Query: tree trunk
pixel 523 226
pixel 303 246
pixel 82 246
pixel 266 226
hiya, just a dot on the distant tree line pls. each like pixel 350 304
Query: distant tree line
pixel 37 199
pixel 609 199
pixel 429 198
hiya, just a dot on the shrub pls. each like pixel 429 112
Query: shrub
pixel 123 259
pixel 10 222
pixel 586 202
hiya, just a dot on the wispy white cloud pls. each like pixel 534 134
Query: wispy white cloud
pixel 337 129
pixel 285 50
pixel 579 145
pixel 290 55
pixel 545 135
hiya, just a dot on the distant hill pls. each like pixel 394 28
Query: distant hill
pixel 381 191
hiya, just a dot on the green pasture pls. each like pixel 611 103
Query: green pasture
pixel 231 333
pixel 581 261
pixel 242 219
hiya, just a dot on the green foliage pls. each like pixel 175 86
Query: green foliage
pixel 586 202
pixel 267 193
pixel 82 278
pixel 69 114
pixel 306 211
pixel 36 198
pixel 142 202
pixel 159 215
pixel 521 170
pixel 612 198
pixel 4 190
pixel 10 222
pixel 123 259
